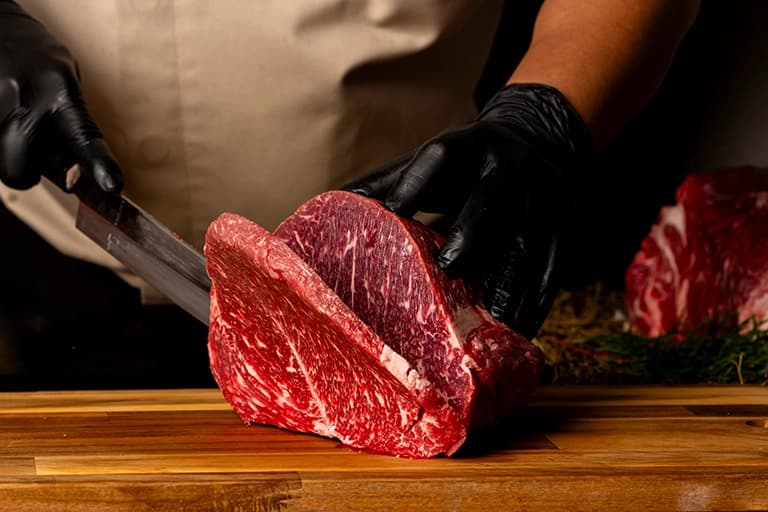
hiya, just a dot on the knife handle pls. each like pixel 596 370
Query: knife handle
pixel 66 180
pixel 72 181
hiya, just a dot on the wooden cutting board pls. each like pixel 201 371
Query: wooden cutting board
pixel 577 448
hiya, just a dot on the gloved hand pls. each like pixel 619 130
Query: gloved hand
pixel 44 125
pixel 503 181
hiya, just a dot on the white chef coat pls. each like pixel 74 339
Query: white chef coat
pixel 253 106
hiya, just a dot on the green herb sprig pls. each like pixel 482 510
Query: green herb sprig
pixel 587 340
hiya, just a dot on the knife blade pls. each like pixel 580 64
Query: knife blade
pixel 142 244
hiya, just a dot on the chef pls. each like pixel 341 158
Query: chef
pixel 194 107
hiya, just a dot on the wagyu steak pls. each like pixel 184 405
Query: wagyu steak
pixel 341 324
pixel 706 259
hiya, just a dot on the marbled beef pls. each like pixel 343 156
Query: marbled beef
pixel 706 258
pixel 341 324
pixel 383 267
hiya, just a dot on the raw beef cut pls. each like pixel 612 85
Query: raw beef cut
pixel 383 267
pixel 341 324
pixel 286 351
pixel 707 256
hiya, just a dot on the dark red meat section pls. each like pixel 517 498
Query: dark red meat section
pixel 383 267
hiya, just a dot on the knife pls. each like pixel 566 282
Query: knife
pixel 141 243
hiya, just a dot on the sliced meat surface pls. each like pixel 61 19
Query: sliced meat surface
pixel 383 267
pixel 286 351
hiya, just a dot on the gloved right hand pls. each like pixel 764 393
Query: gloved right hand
pixel 44 125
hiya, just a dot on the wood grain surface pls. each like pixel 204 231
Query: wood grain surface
pixel 575 448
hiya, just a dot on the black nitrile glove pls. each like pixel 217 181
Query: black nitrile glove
pixel 504 181
pixel 44 125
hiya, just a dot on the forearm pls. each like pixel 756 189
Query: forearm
pixel 607 57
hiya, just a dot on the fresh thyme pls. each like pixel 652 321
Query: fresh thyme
pixel 587 340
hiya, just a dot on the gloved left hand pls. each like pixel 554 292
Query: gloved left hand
pixel 504 181
pixel 45 127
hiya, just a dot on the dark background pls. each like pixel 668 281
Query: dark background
pixel 68 324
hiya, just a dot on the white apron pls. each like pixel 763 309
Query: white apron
pixel 253 106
